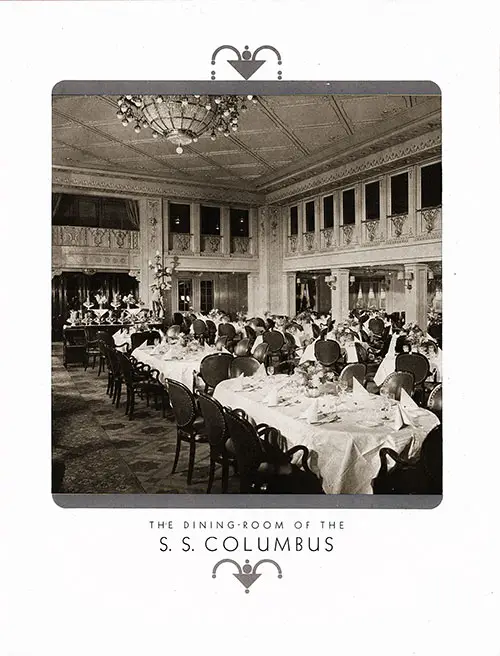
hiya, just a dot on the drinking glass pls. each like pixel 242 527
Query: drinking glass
pixel 385 406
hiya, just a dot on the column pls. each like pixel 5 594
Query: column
pixel 289 294
pixel 253 230
pixel 301 223
pixel 166 225
pixel 384 228
pixel 416 297
pixel 412 200
pixel 225 230
pixel 196 298
pixel 340 294
pixel 195 227
pixel 252 294
pixel 151 241
pixel 224 292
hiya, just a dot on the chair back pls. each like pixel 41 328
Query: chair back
pixel 221 343
pixel 136 339
pixel 416 363
pixel 212 329
pixel 260 352
pixel 355 370
pixel 125 366
pixel 259 322
pixel 112 360
pixel 244 364
pixel 435 400
pixel 215 423
pixel 250 333
pixel 327 352
pixel 395 382
pixel 174 331
pixel 153 335
pixel 199 327
pixel 214 368
pixel 376 325
pixel 274 339
pixel 183 403
pixel 242 347
pixel 316 330
pixel 178 319
pixel 246 443
pixel 290 341
pixel 227 330
pixel 105 337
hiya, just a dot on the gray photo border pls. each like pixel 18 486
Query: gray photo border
pixel 218 501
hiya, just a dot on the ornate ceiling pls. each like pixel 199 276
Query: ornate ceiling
pixel 281 140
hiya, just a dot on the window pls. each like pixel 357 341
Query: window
pixel 348 207
pixel 238 220
pixel 95 212
pixel 310 216
pixel 210 220
pixel 185 295
pixel 328 211
pixel 294 220
pixel 207 295
pixel 399 194
pixel 180 218
pixel 372 201
pixel 431 185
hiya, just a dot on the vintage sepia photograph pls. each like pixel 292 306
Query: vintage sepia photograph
pixel 247 294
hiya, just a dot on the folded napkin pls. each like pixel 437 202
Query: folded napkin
pixel 312 414
pixel 261 372
pixel 401 417
pixel 358 391
pixel 406 402
pixel 272 398
pixel 238 382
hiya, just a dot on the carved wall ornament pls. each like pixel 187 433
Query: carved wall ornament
pixel 348 232
pixel 328 238
pixel 398 221
pixel 181 242
pixel 293 243
pixel 135 273
pixel 371 229
pixel 429 217
pixel 310 240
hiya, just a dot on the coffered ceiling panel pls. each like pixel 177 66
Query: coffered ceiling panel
pixel 277 132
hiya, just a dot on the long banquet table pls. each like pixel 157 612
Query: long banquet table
pixel 344 453
pixel 179 369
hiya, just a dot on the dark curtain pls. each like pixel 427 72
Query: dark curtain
pixel 133 212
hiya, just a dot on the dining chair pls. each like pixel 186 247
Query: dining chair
pixel 200 330
pixel 395 382
pixel 355 370
pixel 190 424
pixel 137 339
pixel 214 368
pixel 421 476
pixel 263 467
pixel 243 364
pixel 435 401
pixel 376 325
pixel 260 352
pixel 220 343
pixel 221 452
pixel 228 331
pixel 327 352
pixel 212 331
pixel 74 347
pixel 242 347
pixel 144 382
pixel 250 333
pixel 418 365
pixel 92 347
pixel 174 331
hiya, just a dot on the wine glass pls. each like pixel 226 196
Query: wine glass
pixel 270 370
pixel 343 387
pixel 385 406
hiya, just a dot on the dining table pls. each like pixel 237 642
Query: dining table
pixel 173 361
pixel 343 432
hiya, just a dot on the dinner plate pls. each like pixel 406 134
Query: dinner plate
pixel 370 424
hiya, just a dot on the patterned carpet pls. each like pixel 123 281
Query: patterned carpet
pixel 105 453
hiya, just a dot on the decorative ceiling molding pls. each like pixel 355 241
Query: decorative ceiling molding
pixel 423 145
pixel 288 132
pixel 67 180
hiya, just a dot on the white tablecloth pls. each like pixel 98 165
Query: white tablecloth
pixel 343 453
pixel 179 370
pixel 388 365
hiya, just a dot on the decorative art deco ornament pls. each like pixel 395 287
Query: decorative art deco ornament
pixel 183 119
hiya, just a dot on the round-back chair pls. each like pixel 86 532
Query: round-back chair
pixel 214 368
pixel 105 337
pixel 376 325
pixel 316 330
pixel 199 328
pixel 416 363
pixel 327 352
pixel 227 330
pixel 244 364
pixel 217 434
pixel 221 343
pixel 259 322
pixel 435 400
pixel 190 425
pixel 274 339
pixel 250 333
pixel 355 370
pixel 174 331
pixel 136 339
pixel 260 352
pixel 247 447
pixel 395 382
pixel 177 319
pixel 361 352
pixel 242 347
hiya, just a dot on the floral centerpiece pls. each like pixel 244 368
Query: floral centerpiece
pixel 215 314
pixel 101 301
pixel 315 379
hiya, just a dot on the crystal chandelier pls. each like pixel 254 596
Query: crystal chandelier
pixel 183 119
